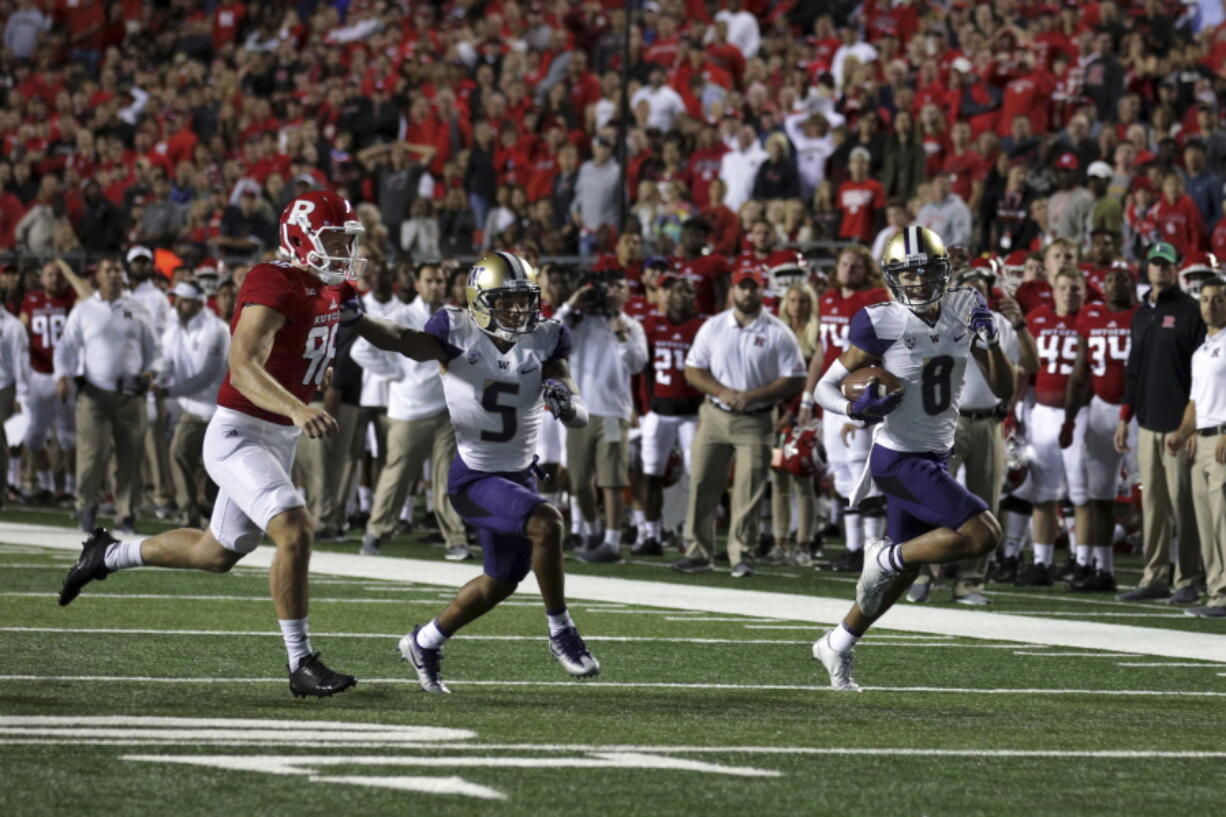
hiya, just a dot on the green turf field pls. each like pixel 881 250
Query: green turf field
pixel 160 692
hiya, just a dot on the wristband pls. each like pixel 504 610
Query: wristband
pixel 807 400
pixel 1125 412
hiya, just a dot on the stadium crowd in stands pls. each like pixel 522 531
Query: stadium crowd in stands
pixel 767 142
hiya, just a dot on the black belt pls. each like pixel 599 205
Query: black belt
pixel 743 413
pixel 1212 431
pixel 980 414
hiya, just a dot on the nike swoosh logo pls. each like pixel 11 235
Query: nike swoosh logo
pixel 960 337
pixel 527 369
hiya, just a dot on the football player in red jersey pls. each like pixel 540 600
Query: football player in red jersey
pixel 857 284
pixel 43 312
pixel 283 339
pixel 1054 473
pixel 1105 336
pixel 1104 251
pixel 674 403
pixel 708 273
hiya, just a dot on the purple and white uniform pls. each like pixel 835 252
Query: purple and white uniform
pixel 494 399
pixel 910 456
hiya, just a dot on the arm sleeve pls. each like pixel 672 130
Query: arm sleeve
pixel 828 393
pixel 863 335
pixel 439 325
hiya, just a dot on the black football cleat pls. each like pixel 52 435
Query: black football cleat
pixel 1099 581
pixel 1006 570
pixel 1034 575
pixel 90 566
pixel 314 679
pixel 852 561
pixel 648 547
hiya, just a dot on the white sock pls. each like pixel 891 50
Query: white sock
pixel 836 511
pixel 1104 558
pixel 559 621
pixel 841 639
pixel 14 475
pixel 576 515
pixel 297 641
pixel 406 510
pixel 70 483
pixel 855 531
pixel 122 555
pixel 1016 526
pixel 874 526
pixel 1044 554
pixel 1082 554
pixel 613 538
pixel 363 499
pixel 429 500
pixel 653 529
pixel 638 517
pixel 431 637
pixel 1119 533
pixel 45 481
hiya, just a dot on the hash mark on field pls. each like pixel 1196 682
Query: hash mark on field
pixel 1077 654
pixel 1091 614
pixel 589 685
pixel 1167 664
pixel 740 619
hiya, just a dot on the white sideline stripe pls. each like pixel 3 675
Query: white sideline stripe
pixel 877 641
pixel 740 619
pixel 587 685
pixel 738 601
pixel 263 599
pixel 1097 615
pixel 1076 654
pixel 1167 664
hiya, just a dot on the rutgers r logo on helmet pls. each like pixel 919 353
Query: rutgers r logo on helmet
pixel 319 233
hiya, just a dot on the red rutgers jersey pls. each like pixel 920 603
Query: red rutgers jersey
pixel 1033 294
pixel 702 272
pixel 668 344
pixel 1108 338
pixel 47 314
pixel 1095 276
pixel 834 318
pixel 639 308
pixel 304 346
pixel 1056 339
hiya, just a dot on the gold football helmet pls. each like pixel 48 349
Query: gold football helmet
pixel 918 253
pixel 503 295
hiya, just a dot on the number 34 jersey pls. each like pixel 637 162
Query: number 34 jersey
pixel 929 359
pixel 1108 337
pixel 494 397
pixel 303 348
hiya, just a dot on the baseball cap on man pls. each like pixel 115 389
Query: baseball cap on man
pixel 1068 161
pixel 1163 251
pixel 861 153
pixel 1100 169
pixel 139 252
pixel 749 274
pixel 186 291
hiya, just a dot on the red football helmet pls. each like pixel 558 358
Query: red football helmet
pixel 1018 455
pixel 1197 268
pixel 801 454
pixel 673 469
pixel 306 225
pixel 1011 269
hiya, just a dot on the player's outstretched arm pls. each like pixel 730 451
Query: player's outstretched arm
pixel 392 337
pixel 249 350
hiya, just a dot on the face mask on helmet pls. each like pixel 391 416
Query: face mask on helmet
pixel 918 285
pixel 504 299
pixel 334 256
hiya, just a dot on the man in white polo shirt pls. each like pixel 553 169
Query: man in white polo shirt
pixel 745 361
pixel 107 340
pixel 1203 431
pixel 194 350
pixel 419 426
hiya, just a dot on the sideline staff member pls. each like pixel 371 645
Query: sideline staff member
pixel 745 361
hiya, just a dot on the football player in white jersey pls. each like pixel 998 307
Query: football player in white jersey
pixel 923 337
pixel 502 365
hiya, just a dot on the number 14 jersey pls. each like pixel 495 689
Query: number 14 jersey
pixel 929 359
pixel 494 397
pixel 303 348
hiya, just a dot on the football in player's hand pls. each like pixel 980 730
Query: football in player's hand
pixel 854 383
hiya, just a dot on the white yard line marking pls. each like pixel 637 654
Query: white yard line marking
pixel 1167 664
pixel 581 686
pixel 1075 654
pixel 1095 614
pixel 740 619
pixel 1050 631
pixel 876 641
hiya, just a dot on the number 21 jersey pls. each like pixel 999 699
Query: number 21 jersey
pixel 929 360
pixel 494 397
pixel 303 348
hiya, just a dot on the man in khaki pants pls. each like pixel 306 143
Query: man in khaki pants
pixel 419 426
pixel 107 340
pixel 1203 433
pixel 1166 330
pixel 745 361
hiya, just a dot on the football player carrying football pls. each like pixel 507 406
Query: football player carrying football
pixel 923 337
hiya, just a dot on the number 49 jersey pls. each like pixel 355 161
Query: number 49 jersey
pixel 494 397
pixel 929 359
pixel 303 348
pixel 1108 337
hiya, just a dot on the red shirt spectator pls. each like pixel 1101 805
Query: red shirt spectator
pixel 226 20
pixel 861 200
pixel 1178 220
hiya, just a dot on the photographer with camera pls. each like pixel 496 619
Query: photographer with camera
pixel 608 348
pixel 108 341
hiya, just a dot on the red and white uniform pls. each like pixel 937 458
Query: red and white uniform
pixel 674 403
pixel 1054 472
pixel 703 272
pixel 45 318
pixel 1033 294
pixel 249 451
pixel 1107 337
pixel 835 312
